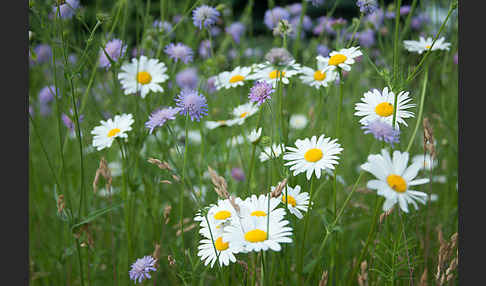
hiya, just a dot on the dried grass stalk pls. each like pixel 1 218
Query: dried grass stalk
pixel 104 172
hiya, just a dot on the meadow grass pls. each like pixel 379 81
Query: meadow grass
pixel 79 236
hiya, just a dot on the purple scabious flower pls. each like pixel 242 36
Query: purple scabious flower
pixel 260 92
pixel 176 18
pixel 69 122
pixel 273 16
pixel 162 25
pixel 179 51
pixel 160 116
pixel 367 6
pixel 233 54
pixel 238 174
pixel 192 103
pixel 67 9
pixel 115 49
pixel 323 50
pixel 236 30
pixel 375 18
pixel 419 21
pixel 294 9
pixel 404 10
pixel 205 16
pixel 366 38
pixel 46 95
pixel 211 85
pixel 306 23
pixel 205 49
pixel 382 131
pixel 187 78
pixel 141 268
pixel 316 3
pixel 215 31
pixel 456 58
pixel 43 53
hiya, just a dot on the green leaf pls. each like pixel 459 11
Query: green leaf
pixel 90 217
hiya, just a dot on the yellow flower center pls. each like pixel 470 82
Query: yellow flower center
pixel 384 109
pixel 113 132
pixel 236 78
pixel 319 76
pixel 144 77
pixel 243 114
pixel 427 47
pixel 313 155
pixel 222 215
pixel 290 200
pixel 220 245
pixel 256 235
pixel 258 213
pixel 397 183
pixel 337 59
pixel 275 73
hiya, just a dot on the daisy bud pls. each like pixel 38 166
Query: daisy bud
pixel 266 141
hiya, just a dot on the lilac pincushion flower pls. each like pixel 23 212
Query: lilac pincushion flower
pixel 187 78
pixel 260 92
pixel 46 95
pixel 419 21
pixel 382 131
pixel 162 25
pixel 211 85
pixel 67 9
pixel 273 16
pixel 456 58
pixel 179 51
pixel 69 122
pixel 160 116
pixel 192 103
pixel 205 48
pixel 323 50
pixel 236 30
pixel 316 3
pixel 115 49
pixel 375 18
pixel 306 23
pixel 366 38
pixel 205 16
pixel 238 174
pixel 141 268
pixel 294 9
pixel 367 6
pixel 43 53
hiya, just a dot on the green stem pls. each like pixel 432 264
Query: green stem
pixel 341 85
pixel 421 108
pixel 371 235
pixel 306 221
pixel 181 203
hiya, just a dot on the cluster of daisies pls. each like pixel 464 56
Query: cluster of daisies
pixel 254 224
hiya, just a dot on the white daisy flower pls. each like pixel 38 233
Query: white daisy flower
pixel 394 179
pixel 426 161
pixel 259 207
pixel 317 77
pixel 255 135
pixel 233 78
pixel 223 253
pixel 111 129
pixel 343 59
pixel 223 214
pixel 235 141
pixel 271 74
pixel 298 121
pixel 254 235
pixel 313 155
pixel 271 152
pixel 296 201
pixel 220 123
pixel 143 75
pixel 376 105
pixel 423 45
pixel 242 112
